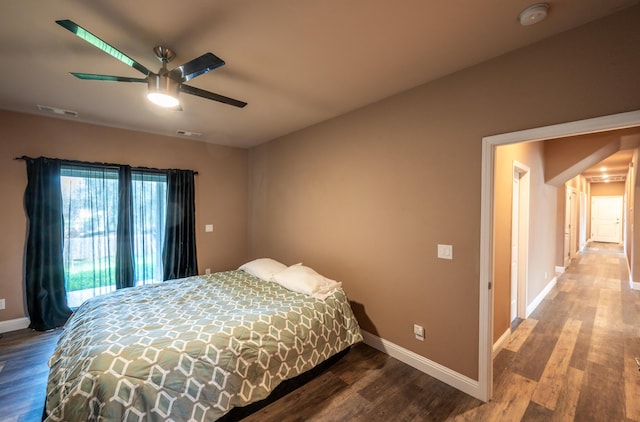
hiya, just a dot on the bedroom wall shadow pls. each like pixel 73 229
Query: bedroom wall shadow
pixel 363 319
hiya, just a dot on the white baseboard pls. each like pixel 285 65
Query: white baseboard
pixel 534 304
pixel 429 367
pixel 633 284
pixel 14 324
pixel 497 346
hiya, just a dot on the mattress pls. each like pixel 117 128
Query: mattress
pixel 190 349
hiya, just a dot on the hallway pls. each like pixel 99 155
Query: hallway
pixel 573 358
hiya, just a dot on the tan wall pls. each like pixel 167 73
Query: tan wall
pixel 608 189
pixel 365 198
pixel 542 229
pixel 221 187
pixel 568 157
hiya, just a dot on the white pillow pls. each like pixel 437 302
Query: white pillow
pixel 305 280
pixel 263 268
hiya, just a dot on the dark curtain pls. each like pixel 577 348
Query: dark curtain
pixel 44 269
pixel 124 238
pixel 179 251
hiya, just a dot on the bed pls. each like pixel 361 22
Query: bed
pixel 191 349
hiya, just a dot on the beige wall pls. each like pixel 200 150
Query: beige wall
pixel 565 158
pixel 221 187
pixel 607 189
pixel 542 229
pixel 365 198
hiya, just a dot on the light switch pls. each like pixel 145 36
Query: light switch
pixel 418 332
pixel 208 228
pixel 445 251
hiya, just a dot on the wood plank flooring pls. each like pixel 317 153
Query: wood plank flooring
pixel 23 373
pixel 573 359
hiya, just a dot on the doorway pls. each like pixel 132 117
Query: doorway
pixel 571 226
pixel 519 240
pixel 583 221
pixel 489 145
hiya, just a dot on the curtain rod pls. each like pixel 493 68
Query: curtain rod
pixel 86 163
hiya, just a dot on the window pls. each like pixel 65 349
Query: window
pixel 149 217
pixel 90 202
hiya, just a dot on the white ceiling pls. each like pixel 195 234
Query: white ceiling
pixel 296 62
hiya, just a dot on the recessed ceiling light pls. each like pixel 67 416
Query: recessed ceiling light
pixel 533 14
pixel 603 169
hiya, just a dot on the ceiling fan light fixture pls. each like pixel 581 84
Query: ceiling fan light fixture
pixel 163 91
pixel 163 100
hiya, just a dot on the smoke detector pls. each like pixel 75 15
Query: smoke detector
pixel 533 14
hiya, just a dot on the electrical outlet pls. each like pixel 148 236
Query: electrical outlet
pixel 1 303
pixel 418 331
pixel 207 270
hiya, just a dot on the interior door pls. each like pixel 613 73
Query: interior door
pixel 573 227
pixel 515 225
pixel 606 219
pixel 583 221
pixel 567 229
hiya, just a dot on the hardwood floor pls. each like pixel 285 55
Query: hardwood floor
pixel 23 373
pixel 573 359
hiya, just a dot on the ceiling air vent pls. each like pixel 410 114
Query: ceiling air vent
pixel 58 111
pixel 601 179
pixel 188 133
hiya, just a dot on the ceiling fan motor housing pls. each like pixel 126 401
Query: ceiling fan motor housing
pixel 162 85
pixel 164 54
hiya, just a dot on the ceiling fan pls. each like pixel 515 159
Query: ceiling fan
pixel 163 87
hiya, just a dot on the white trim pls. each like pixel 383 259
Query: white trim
pixel 535 302
pixel 497 346
pixel 634 285
pixel 429 367
pixel 14 324
pixel 489 144
pixel 523 237
pixel 485 320
pixel 579 127
pixel 560 270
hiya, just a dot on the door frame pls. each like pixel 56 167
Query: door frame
pixel 583 221
pixel 520 229
pixel 485 285
pixel 570 225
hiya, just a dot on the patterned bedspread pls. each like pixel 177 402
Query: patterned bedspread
pixel 190 349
